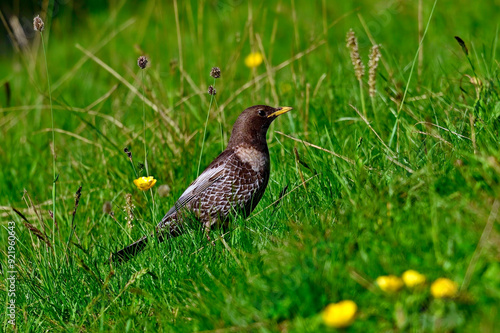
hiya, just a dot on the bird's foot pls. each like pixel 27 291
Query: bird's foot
pixel 207 233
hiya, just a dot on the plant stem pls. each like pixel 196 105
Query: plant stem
pixel 375 113
pixel 152 209
pixel 361 95
pixel 144 126
pixel 396 125
pixel 205 131
pixel 54 179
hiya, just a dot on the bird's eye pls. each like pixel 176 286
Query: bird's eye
pixel 262 113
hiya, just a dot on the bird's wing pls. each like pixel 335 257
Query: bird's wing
pixel 212 174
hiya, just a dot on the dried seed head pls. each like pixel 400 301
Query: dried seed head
pixel 107 208
pixel 78 195
pixel 163 190
pixel 462 45
pixel 128 152
pixel 142 62
pixel 215 72
pixel 372 69
pixel 352 45
pixel 38 24
pixel 129 209
pixel 211 90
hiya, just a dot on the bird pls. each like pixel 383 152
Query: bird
pixel 233 183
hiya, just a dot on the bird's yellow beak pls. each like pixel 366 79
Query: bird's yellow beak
pixel 280 111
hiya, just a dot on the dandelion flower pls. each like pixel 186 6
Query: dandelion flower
pixel 389 283
pixel 145 183
pixel 253 60
pixel 412 278
pixel 444 288
pixel 340 314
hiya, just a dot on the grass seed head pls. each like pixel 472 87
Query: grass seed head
pixel 462 45
pixel 78 195
pixel 128 152
pixel 211 90
pixel 38 24
pixel 215 72
pixel 129 210
pixel 352 45
pixel 142 62
pixel 372 69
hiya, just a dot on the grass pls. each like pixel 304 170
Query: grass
pixel 352 211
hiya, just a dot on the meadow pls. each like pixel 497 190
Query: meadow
pixel 364 183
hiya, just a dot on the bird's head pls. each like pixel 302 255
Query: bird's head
pixel 252 124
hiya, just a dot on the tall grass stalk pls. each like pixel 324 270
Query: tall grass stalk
pixel 362 97
pixel 205 130
pixel 359 68
pixel 142 65
pixel 54 178
pixel 144 126
pixel 396 124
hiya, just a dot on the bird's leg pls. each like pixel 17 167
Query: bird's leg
pixel 207 234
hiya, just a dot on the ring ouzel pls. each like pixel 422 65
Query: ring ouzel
pixel 234 181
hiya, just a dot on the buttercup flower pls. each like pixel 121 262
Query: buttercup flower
pixel 444 288
pixel 254 59
pixel 340 314
pixel 413 278
pixel 145 183
pixel 389 283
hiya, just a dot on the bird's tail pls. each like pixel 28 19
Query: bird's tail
pixel 130 251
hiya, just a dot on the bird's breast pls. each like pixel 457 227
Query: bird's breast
pixel 257 159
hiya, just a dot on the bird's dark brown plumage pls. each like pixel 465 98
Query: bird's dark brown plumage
pixel 234 182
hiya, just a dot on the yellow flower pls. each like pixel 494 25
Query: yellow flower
pixel 254 59
pixel 444 288
pixel 340 314
pixel 145 183
pixel 389 283
pixel 413 278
